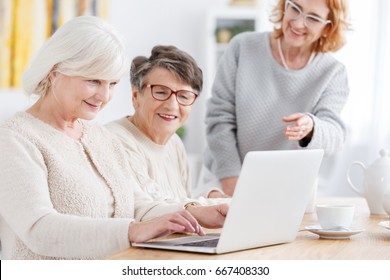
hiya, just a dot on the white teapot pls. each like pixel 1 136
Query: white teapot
pixel 386 201
pixel 376 182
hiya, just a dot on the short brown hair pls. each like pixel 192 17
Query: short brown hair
pixel 338 15
pixel 171 58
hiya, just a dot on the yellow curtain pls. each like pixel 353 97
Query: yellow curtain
pixel 26 24
pixel 5 42
pixel 28 34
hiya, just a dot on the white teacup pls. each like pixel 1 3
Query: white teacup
pixel 335 216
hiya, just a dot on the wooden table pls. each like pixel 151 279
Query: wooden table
pixel 373 243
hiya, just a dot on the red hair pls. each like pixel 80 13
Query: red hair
pixel 335 31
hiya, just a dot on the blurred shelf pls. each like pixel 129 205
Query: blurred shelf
pixel 222 25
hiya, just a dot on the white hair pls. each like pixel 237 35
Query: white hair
pixel 85 46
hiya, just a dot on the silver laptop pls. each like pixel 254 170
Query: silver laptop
pixel 267 207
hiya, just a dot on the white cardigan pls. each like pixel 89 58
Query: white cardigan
pixel 53 203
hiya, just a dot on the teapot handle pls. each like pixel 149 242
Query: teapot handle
pixel 358 163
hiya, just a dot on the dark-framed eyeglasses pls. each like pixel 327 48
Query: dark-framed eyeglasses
pixel 291 10
pixel 162 93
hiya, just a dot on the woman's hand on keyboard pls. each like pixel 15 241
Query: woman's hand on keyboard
pixel 210 216
pixel 181 221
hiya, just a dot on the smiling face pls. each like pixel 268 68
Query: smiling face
pixel 80 97
pixel 296 34
pixel 159 120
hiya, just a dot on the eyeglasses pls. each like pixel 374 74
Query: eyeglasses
pixel 162 93
pixel 294 12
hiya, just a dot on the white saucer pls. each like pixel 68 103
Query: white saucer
pixel 385 224
pixel 333 234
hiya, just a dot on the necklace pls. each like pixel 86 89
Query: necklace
pixel 282 56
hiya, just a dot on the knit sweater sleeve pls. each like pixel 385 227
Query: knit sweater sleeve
pixel 221 116
pixel 26 208
pixel 329 129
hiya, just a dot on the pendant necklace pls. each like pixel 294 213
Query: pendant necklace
pixel 282 56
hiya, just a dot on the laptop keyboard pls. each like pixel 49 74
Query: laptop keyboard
pixel 205 243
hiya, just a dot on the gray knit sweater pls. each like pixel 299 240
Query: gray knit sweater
pixel 251 94
pixel 54 192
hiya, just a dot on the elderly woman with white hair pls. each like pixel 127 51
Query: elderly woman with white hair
pixel 65 187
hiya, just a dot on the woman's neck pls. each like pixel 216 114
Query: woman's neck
pixel 291 57
pixel 45 110
pixel 146 130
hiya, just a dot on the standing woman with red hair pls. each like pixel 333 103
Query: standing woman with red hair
pixel 279 90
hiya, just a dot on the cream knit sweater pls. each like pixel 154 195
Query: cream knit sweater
pixel 53 192
pixel 162 171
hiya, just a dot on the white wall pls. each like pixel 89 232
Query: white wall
pixel 12 101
